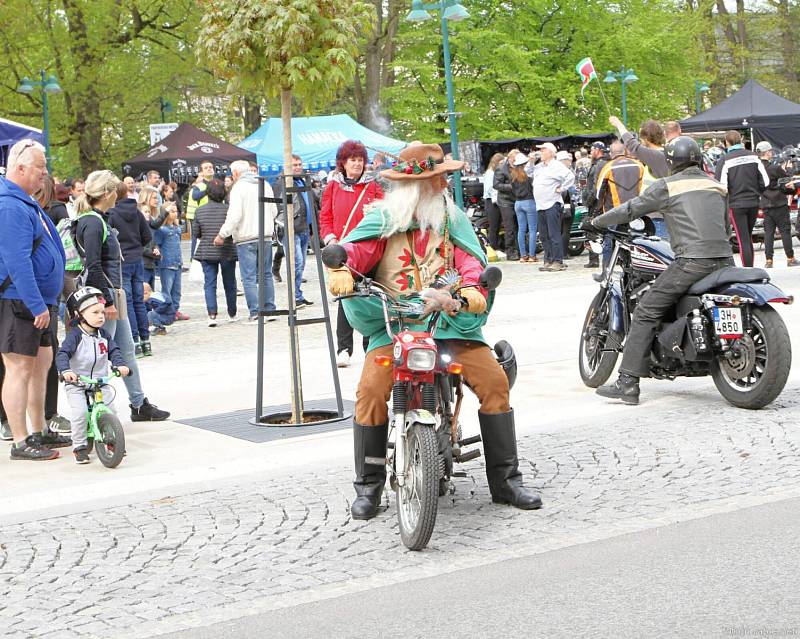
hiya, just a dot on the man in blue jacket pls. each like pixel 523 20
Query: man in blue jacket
pixel 32 265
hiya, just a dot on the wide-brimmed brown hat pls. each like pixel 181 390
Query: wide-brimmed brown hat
pixel 421 162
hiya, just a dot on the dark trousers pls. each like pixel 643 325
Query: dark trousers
pixel 743 220
pixel 150 277
pixel 344 334
pixel 210 271
pixel 493 217
pixel 777 218
pixel 509 218
pixel 567 217
pixel 51 388
pixel 551 234
pixel 667 289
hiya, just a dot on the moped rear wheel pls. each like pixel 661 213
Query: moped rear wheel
pixel 110 448
pixel 417 499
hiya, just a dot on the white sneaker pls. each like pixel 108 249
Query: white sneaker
pixel 212 321
pixel 343 359
pixel 232 320
pixel 501 255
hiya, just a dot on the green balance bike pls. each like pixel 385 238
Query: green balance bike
pixel 103 426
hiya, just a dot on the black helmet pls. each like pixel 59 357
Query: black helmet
pixel 507 359
pixel 82 298
pixel 683 152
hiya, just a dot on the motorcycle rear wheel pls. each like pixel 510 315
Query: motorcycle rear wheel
pixel 758 376
pixel 575 248
pixel 595 364
pixel 418 498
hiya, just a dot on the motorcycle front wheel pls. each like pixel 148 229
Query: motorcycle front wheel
pixel 595 363
pixel 757 374
pixel 417 499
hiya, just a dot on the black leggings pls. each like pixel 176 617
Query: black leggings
pixel 777 218
pixel 744 220
pixel 509 226
pixel 493 217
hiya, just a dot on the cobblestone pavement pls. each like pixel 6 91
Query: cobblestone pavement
pixel 155 567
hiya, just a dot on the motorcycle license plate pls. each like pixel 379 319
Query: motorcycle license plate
pixel 728 322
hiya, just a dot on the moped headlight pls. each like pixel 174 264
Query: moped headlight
pixel 421 359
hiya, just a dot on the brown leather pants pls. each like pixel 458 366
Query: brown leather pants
pixel 482 374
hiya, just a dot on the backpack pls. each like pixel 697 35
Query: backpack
pixel 66 232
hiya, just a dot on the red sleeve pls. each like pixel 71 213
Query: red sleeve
pixel 469 268
pixel 364 255
pixel 326 212
pixel 377 193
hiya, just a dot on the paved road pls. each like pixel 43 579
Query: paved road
pixel 720 576
pixel 195 528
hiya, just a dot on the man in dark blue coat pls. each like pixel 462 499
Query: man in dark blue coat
pixel 32 265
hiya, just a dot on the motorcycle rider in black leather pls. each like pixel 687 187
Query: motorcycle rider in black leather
pixel 695 210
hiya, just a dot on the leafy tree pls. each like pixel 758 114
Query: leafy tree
pixel 514 67
pixel 304 49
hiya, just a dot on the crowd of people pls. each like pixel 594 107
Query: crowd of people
pixel 70 245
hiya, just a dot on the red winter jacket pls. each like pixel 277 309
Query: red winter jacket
pixel 338 200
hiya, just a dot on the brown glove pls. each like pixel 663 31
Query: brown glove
pixel 340 281
pixel 476 303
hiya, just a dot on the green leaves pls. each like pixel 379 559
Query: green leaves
pixel 306 46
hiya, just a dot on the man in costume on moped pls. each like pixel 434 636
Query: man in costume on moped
pixel 405 241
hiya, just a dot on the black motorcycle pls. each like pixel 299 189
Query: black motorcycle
pixel 724 326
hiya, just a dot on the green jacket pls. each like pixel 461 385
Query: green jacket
pixel 366 314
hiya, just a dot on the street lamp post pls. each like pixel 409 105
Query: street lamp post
pixel 451 10
pixel 698 89
pixel 166 107
pixel 48 85
pixel 624 76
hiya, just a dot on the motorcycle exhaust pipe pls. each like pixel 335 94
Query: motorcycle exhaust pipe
pixel 468 441
pixel 468 456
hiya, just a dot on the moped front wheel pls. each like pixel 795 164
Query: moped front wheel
pixel 417 499
pixel 110 447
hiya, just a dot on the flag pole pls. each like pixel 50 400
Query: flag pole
pixel 602 93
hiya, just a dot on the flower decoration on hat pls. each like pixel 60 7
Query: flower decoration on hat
pixel 415 167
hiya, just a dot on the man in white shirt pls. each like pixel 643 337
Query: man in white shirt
pixel 550 178
pixel 242 224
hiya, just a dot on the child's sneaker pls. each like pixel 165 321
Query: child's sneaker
pixel 81 455
pixel 138 353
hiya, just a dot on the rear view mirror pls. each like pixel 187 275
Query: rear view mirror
pixel 334 256
pixel 491 278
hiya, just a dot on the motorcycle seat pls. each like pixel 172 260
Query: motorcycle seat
pixel 728 275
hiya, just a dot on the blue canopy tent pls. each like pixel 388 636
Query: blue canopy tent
pixel 11 133
pixel 315 139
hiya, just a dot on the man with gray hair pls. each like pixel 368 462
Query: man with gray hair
pixel 550 178
pixel 32 263
pixel 241 223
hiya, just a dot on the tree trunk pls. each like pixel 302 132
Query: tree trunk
pixel 251 114
pixel 788 46
pixel 288 182
pixel 87 125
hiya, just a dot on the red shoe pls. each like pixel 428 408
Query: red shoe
pixel 180 316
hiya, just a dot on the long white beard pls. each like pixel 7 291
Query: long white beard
pixel 407 202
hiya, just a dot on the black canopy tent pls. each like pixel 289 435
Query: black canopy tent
pixel 178 156
pixel 766 115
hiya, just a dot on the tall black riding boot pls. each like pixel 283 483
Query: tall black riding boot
pixel 276 266
pixel 368 441
pixel 502 466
